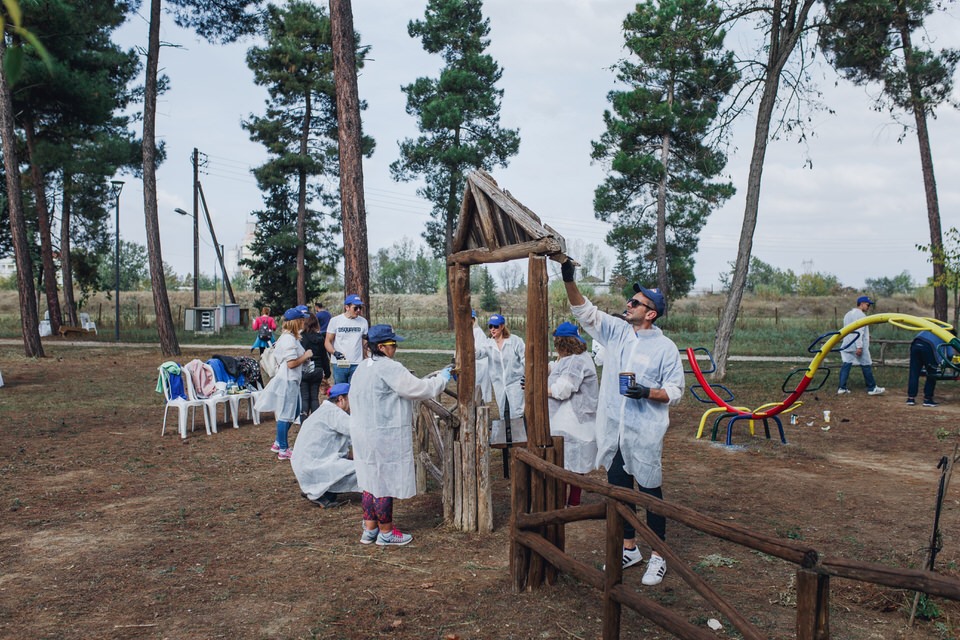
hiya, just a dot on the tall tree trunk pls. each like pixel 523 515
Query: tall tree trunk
pixel 302 205
pixel 786 27
pixel 29 320
pixel 169 345
pixel 66 268
pixel 451 215
pixel 662 281
pixel 356 262
pixel 43 222
pixel 926 166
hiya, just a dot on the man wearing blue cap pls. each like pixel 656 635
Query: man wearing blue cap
pixel 346 339
pixel 321 460
pixel 857 350
pixel 632 419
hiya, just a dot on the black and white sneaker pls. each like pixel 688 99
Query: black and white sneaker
pixel 930 403
pixel 656 569
pixel 911 402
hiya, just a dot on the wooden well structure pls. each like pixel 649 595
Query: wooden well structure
pixel 495 227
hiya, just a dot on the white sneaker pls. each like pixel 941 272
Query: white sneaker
pixel 632 557
pixel 656 569
pixel 842 391
pixel 876 391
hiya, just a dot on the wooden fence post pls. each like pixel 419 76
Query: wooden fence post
pixel 813 605
pixel 613 571
pixel 520 501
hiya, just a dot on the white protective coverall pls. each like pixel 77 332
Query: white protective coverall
pixel 320 458
pixel 282 393
pixel 381 425
pixel 573 388
pixel 637 427
pixel 482 366
pixel 849 353
pixel 506 369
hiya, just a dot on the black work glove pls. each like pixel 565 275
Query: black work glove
pixel 523 382
pixel 637 391
pixel 338 355
pixel 567 270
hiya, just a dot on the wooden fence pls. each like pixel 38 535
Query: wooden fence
pixel 537 554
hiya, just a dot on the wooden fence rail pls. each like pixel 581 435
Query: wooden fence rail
pixel 533 536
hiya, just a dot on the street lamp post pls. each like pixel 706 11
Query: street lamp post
pixel 196 254
pixel 116 187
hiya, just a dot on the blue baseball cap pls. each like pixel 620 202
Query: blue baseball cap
pixel 296 312
pixel 473 313
pixel 496 320
pixel 353 299
pixel 339 389
pixel 380 333
pixel 654 296
pixel 568 330
pixel 863 299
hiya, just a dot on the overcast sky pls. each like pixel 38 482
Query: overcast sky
pixel 857 213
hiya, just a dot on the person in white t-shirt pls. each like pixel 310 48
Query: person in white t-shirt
pixel 347 339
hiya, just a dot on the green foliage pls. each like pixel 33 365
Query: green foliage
pixel 763 278
pixel 887 287
pixel 134 272
pixel 660 142
pixel 927 609
pixel 299 131
pixel 818 284
pixel 949 257
pixel 488 290
pixel 404 268
pixel 458 114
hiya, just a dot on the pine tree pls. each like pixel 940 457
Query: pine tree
pixel 458 115
pixel 662 160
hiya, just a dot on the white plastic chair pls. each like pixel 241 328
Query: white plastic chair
pixel 235 404
pixel 181 405
pixel 209 404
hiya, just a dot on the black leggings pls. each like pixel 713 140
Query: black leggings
pixel 617 475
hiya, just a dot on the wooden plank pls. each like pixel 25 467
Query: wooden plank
pixel 520 251
pixel 466 382
pixel 813 605
pixel 555 494
pixel 449 476
pixel 538 492
pixel 528 221
pixel 927 582
pixel 484 489
pixel 561 516
pixel 420 446
pixel 459 240
pixel 458 486
pixel 484 219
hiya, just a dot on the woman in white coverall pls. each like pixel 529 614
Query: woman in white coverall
pixel 506 354
pixel 321 462
pixel 482 362
pixel 282 394
pixel 573 389
pixel 381 426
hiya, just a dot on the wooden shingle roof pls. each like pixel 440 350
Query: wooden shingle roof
pixel 496 227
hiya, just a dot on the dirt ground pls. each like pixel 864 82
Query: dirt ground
pixel 111 531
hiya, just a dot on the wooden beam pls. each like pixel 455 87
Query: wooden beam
pixel 520 251
pixel 928 582
pixel 813 605
pixel 537 369
pixel 525 219
pixel 484 219
pixel 459 240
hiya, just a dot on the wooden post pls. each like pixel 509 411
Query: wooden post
pixel 484 494
pixel 420 444
pixel 450 474
pixel 458 485
pixel 613 571
pixel 466 407
pixel 813 605
pixel 519 499
pixel 556 500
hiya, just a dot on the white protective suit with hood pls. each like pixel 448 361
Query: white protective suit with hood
pixel 320 460
pixel 862 341
pixel 381 425
pixel 506 369
pixel 637 427
pixel 282 393
pixel 573 388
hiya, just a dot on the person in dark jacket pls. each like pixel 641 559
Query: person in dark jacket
pixel 926 354
pixel 318 377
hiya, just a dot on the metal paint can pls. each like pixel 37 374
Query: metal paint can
pixel 627 379
pixel 793 418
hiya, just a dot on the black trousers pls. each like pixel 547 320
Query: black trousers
pixel 617 475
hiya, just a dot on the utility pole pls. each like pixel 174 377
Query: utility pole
pixel 196 227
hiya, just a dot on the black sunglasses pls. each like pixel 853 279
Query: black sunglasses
pixel 633 303
pixel 494 326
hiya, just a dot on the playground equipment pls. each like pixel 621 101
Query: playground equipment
pixel 823 345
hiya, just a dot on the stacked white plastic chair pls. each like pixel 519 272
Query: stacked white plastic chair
pixel 182 405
